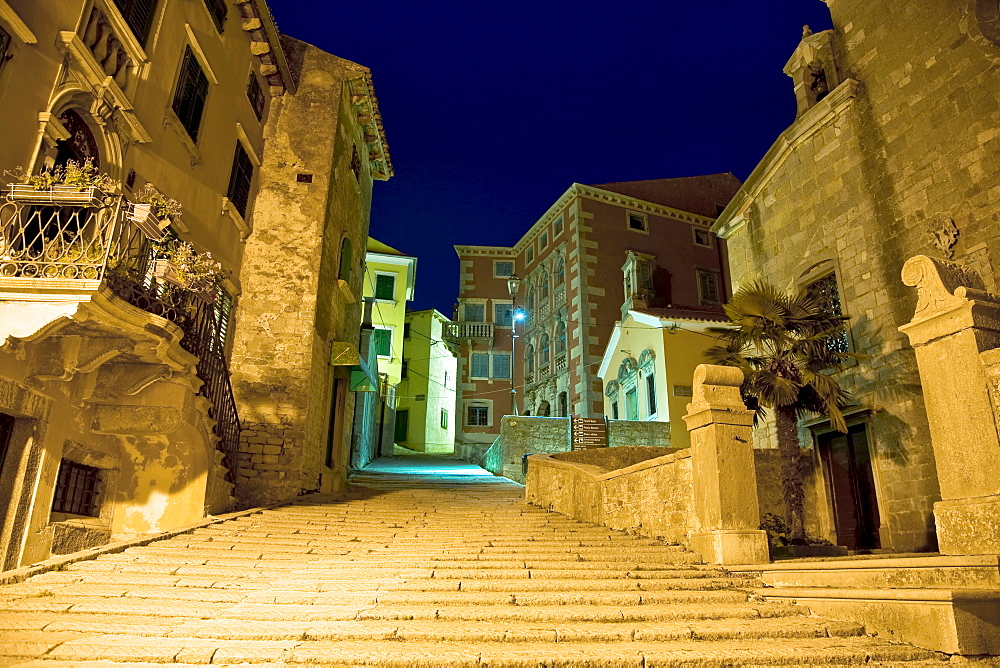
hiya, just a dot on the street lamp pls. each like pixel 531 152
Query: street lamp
pixel 513 284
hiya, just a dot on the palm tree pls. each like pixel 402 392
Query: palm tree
pixel 786 346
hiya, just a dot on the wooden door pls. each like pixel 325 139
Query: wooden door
pixel 848 467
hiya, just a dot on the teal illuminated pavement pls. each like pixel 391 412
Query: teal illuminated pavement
pixel 426 561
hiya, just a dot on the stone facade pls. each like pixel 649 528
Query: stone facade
pixel 570 262
pixel 297 340
pixel 894 154
pixel 114 389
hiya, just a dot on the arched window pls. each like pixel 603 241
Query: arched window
pixel 544 410
pixel 560 272
pixel 345 260
pixel 627 378
pixel 648 367
pixel 529 361
pixel 560 338
pixel 611 392
pixel 530 303
pixel 545 286
pixel 543 356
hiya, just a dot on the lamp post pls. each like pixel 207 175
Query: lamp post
pixel 513 284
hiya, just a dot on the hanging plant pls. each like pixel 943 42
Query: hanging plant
pixel 153 211
pixel 177 263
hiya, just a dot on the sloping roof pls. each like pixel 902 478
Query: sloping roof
pixel 376 246
pixel 695 313
pixel 705 195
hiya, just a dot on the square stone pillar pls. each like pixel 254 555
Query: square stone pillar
pixel 725 480
pixel 955 322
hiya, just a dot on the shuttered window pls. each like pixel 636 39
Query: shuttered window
pixel 138 15
pixel 217 8
pixel 385 286
pixel 256 96
pixel 239 180
pixel 383 342
pixel 189 98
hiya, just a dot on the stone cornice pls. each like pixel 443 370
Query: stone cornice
pixel 257 22
pixel 737 213
pixel 366 110
pixel 492 251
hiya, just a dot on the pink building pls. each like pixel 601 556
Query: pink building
pixel 572 293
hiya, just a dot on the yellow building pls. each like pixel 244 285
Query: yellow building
pixel 113 424
pixel 425 409
pixel 389 280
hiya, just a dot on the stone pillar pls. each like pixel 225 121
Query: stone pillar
pixel 722 462
pixel 955 322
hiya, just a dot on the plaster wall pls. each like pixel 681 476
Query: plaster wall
pixel 431 372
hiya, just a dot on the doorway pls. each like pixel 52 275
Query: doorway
pixel 847 465
pixel 402 426
pixel 6 431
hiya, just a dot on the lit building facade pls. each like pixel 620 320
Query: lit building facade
pixel 425 409
pixel 571 291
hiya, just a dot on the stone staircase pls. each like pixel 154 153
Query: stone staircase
pixel 426 571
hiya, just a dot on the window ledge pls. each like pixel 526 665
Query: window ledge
pixel 228 209
pixel 170 119
pixel 345 291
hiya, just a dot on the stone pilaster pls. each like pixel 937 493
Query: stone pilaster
pixel 955 322
pixel 725 481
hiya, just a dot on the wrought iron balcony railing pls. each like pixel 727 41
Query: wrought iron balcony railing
pixel 68 239
pixel 469 330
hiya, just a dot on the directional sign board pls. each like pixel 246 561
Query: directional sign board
pixel 589 433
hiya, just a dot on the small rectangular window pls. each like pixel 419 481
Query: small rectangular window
pixel 76 490
pixel 543 241
pixel 478 416
pixel 475 313
pixel 557 226
pixel 218 10
pixel 257 100
pixel 651 395
pixel 385 286
pixel 444 418
pixel 702 237
pixel 501 365
pixel 138 14
pixel 383 342
pixel 404 369
pixel 480 365
pixel 503 269
pixel 637 221
pixel 503 315
pixel 189 98
pixel 529 255
pixel 240 179
pixel 708 286
pixel 446 379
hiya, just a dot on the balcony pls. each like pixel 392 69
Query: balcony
pixel 67 244
pixel 469 330
pixel 560 364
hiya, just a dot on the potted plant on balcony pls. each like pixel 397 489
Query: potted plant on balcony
pixel 153 211
pixel 72 185
pixel 179 265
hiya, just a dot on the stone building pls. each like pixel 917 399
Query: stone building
pixel 894 152
pixel 570 262
pixel 111 423
pixel 296 354
pixel 425 412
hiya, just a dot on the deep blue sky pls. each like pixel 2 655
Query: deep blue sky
pixel 492 110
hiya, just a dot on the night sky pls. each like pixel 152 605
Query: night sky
pixel 492 110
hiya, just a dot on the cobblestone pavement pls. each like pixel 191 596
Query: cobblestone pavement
pixel 420 564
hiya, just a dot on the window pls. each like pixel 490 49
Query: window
pixel 708 286
pixel 478 416
pixel 529 255
pixel 189 98
pixel 501 365
pixel 406 330
pixel 561 338
pixel 222 313
pixel 503 268
pixel 503 314
pixel 6 431
pixel 385 286
pixel 345 260
pixel 632 404
pixel 544 287
pixel 4 46
pixel 446 378
pixel 138 15
pixel 529 361
pixel 356 164
pixel 651 395
pixel 444 418
pixel 256 96
pixel 563 405
pixel 637 221
pixel 404 369
pixel 827 293
pixel 543 354
pixel 402 429
pixel 217 8
pixel 475 312
pixel 644 278
pixel 240 179
pixel 614 410
pixel 76 490
pixel 560 272
pixel 557 226
pixel 531 302
pixel 383 342
pixel 543 241
pixel 480 365
pixel 702 237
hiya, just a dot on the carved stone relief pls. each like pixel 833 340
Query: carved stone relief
pixel 944 234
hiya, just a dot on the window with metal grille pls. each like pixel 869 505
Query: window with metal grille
pixel 827 293
pixel 239 180
pixel 383 342
pixel 478 416
pixel 189 98
pixel 256 96
pixel 218 10
pixel 138 15
pixel 76 490
pixel 385 286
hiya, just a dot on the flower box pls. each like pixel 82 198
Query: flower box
pixel 164 270
pixel 57 195
pixel 144 218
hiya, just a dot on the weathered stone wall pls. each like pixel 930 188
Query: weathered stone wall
pixel 623 433
pixel 522 435
pixel 294 307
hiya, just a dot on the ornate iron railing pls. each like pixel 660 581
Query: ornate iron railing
pixel 60 235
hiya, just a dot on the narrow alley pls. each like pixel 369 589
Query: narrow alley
pixel 425 562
